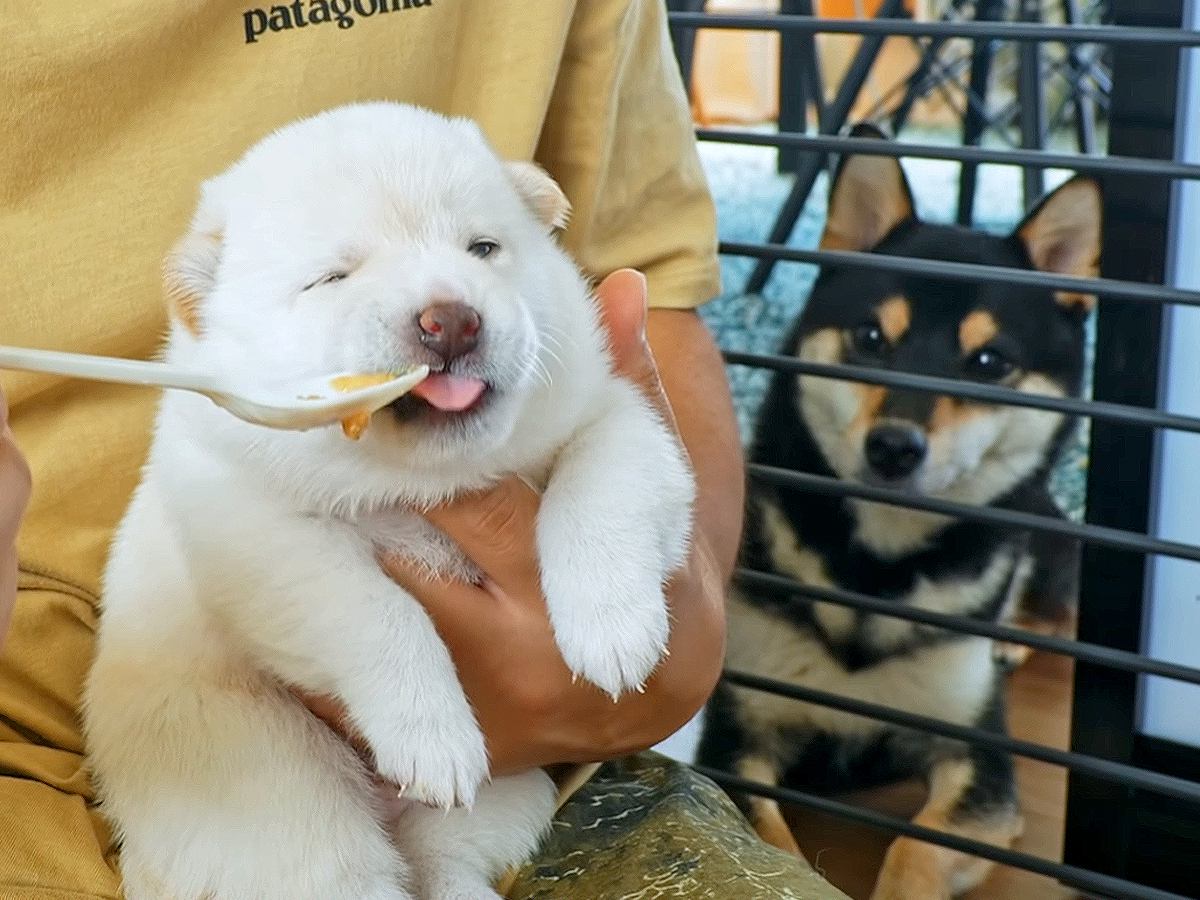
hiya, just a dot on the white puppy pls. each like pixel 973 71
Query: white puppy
pixel 368 238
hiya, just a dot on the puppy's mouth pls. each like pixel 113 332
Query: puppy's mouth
pixel 450 393
pixel 442 395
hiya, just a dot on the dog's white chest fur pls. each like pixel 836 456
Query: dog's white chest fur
pixel 950 681
pixel 247 560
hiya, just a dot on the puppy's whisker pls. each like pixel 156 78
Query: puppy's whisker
pixel 543 374
pixel 554 356
pixel 552 347
pixel 551 342
pixel 543 348
pixel 553 333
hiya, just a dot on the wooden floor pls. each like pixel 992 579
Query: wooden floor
pixel 1039 710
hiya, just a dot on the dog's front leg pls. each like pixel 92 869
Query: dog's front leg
pixel 971 796
pixel 310 600
pixel 614 524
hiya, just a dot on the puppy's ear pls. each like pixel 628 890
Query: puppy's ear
pixel 540 192
pixel 190 268
pixel 1062 236
pixel 870 196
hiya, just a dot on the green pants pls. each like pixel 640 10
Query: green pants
pixel 647 828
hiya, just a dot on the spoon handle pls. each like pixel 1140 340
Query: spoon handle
pixel 103 368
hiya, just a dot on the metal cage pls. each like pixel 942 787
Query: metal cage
pixel 1132 824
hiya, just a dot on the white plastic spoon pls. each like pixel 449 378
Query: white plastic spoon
pixel 296 405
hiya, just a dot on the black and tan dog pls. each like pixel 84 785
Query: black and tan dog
pixel 1027 338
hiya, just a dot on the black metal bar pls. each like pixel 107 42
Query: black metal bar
pixel 1081 99
pixel 1172 38
pixel 1096 165
pixel 1091 534
pixel 795 91
pixel 810 165
pixel 1116 772
pixel 1105 703
pixel 969 390
pixel 1082 879
pixel 974 123
pixel 1124 660
pixel 1126 290
pixel 815 81
pixel 1032 117
pixel 684 40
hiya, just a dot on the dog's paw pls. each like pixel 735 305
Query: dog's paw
pixel 911 870
pixel 1010 657
pixel 440 760
pixel 615 641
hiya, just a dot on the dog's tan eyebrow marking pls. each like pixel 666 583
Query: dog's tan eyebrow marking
pixel 895 316
pixel 976 329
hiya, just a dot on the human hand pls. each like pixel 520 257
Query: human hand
pixel 14 494
pixel 531 709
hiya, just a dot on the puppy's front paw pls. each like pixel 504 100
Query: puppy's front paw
pixel 616 640
pixel 439 760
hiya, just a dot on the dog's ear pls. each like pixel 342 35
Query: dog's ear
pixel 1062 236
pixel 540 192
pixel 870 196
pixel 190 268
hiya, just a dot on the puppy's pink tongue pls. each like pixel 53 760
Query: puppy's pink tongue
pixel 450 393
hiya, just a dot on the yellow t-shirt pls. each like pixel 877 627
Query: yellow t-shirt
pixel 111 113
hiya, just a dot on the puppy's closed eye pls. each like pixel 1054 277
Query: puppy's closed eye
pixel 327 278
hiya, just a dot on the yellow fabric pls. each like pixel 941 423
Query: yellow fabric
pixel 111 113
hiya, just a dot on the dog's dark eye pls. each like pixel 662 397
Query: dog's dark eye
pixel 329 278
pixel 868 339
pixel 483 249
pixel 987 364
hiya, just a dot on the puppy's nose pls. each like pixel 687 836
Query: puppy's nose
pixel 895 450
pixel 449 328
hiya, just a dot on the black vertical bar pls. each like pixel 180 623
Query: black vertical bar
pixel 684 39
pixel 975 116
pixel 812 163
pixel 814 82
pixel 794 93
pixel 1101 817
pixel 1081 98
pixel 1033 125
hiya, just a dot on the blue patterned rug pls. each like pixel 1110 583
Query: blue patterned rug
pixel 749 192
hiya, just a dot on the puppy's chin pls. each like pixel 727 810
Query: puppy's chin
pixel 413 425
pixel 413 420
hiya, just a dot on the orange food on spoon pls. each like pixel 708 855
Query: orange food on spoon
pixel 347 383
pixel 353 426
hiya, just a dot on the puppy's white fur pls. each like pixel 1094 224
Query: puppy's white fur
pixel 247 559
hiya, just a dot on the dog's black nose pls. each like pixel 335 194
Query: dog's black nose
pixel 895 450
pixel 449 328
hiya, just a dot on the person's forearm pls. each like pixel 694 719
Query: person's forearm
pixel 693 377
